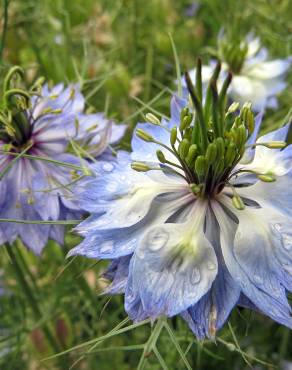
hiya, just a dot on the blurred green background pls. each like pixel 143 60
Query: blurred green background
pixel 120 51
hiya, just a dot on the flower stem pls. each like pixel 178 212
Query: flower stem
pixel 21 279
pixel 5 24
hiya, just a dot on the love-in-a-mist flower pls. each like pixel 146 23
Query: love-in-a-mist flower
pixel 36 169
pixel 197 219
pixel 256 78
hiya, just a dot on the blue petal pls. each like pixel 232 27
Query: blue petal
pixel 145 151
pixel 268 296
pixel 172 268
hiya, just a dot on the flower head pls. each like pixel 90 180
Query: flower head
pixel 38 126
pixel 197 218
pixel 255 78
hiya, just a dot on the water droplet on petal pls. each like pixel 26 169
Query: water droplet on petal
pixel 287 241
pixel 157 239
pixel 106 247
pixel 195 276
pixel 111 187
pixel 287 268
pixel 211 265
pixel 108 167
pixel 258 279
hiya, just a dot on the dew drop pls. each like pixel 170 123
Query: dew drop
pixel 287 241
pixel 157 239
pixel 107 246
pixel 287 268
pixel 108 167
pixel 258 279
pixel 195 276
pixel 211 265
pixel 111 187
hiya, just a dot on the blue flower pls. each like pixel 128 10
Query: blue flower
pixel 42 122
pixel 197 219
pixel 255 78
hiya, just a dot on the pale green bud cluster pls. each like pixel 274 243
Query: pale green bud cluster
pixel 233 52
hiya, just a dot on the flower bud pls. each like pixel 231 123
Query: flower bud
pixel 195 188
pixel 220 146
pixel 233 107
pixel 186 121
pixel 184 112
pixel 230 154
pixel 183 148
pixel 211 153
pixel 191 154
pixel 143 135
pixel 201 165
pixel 151 118
pixel 140 167
pixel 275 144
pixel 237 202
pixel 160 156
pixel 173 135
pixel 267 177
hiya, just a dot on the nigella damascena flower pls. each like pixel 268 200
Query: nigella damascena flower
pixel 255 78
pixel 197 219
pixel 38 127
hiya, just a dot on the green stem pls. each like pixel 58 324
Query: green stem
pixel 5 24
pixel 20 276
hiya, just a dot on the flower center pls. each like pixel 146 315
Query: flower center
pixel 210 139
pixel 233 53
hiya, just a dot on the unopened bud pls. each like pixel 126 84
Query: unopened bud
pixel 230 154
pixel 267 177
pixel 211 153
pixel 275 144
pixel 140 167
pixel 186 121
pixel 195 188
pixel 152 119
pixel 220 146
pixel 238 202
pixel 191 154
pixel 183 148
pixel 160 156
pixel 184 112
pixel 173 135
pixel 143 135
pixel 249 121
pixel 233 107
pixel 201 165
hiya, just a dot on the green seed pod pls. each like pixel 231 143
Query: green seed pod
pixel 201 165
pixel 143 135
pixel 211 153
pixel 160 156
pixel 183 148
pixel 173 135
pixel 140 167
